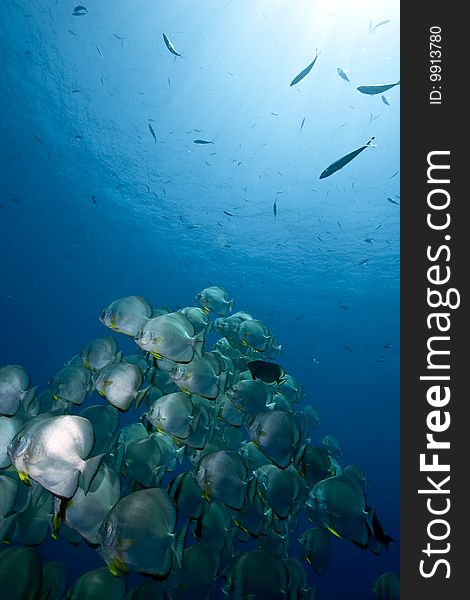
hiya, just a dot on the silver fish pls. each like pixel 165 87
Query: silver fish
pixel 120 384
pixel 169 45
pixel 344 160
pixel 52 450
pixel 216 299
pixel 14 384
pixel 100 352
pixel 305 71
pixel 379 88
pixel 222 476
pixel 127 315
pixel 138 534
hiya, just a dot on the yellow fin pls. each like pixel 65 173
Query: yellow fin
pixel 24 477
pixel 156 355
pixel 334 532
pixel 56 522
pixel 206 309
pixel 5 541
pixel 113 570
pixel 120 566
pixel 54 536
pixel 55 397
pixel 185 391
pixel 101 393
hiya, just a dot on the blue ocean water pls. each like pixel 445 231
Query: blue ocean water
pixel 93 208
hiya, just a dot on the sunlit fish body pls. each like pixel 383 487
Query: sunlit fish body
pixel 100 352
pixel 71 384
pixel 170 336
pixel 52 450
pixel 119 384
pixel 127 315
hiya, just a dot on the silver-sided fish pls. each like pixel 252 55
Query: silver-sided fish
pixel 100 352
pixel 333 446
pixel 169 45
pixel 379 88
pixel 85 512
pixel 222 476
pixel 339 505
pixel 201 376
pixel 215 299
pixel 14 389
pixel 138 534
pixel 305 71
pixel 120 384
pixel 172 414
pixel 387 587
pixel 171 336
pixel 257 574
pixel 9 427
pixel 127 315
pixel 281 489
pixel 276 434
pixel 228 325
pixel 99 583
pixel 316 544
pixel 71 384
pixel 26 561
pixel 342 74
pixel 250 397
pixel 255 334
pixel 344 160
pixel 52 450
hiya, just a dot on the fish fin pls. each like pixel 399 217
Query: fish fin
pixel 56 522
pixel 230 306
pixel 90 469
pixel 141 395
pixel 198 342
pixel 180 454
pixel 24 477
pixel 335 533
pixel 108 382
pixel 28 397
pixel 180 541
pixel 117 566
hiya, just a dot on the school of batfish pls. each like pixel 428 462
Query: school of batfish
pixel 204 488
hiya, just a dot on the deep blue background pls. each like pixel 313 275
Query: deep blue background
pixel 62 258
